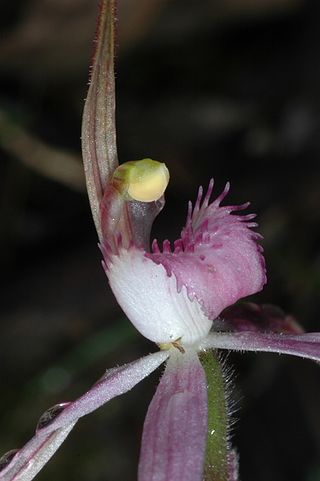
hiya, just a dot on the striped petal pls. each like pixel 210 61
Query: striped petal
pixel 217 258
pixel 175 429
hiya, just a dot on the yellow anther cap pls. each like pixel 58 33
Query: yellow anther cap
pixel 143 180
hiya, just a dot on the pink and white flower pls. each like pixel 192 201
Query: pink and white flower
pixel 181 297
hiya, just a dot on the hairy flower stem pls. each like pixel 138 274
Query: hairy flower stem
pixel 216 460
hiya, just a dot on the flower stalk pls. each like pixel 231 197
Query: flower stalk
pixel 216 460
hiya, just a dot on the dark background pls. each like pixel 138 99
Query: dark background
pixel 223 88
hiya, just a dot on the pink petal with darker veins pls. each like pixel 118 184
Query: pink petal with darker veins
pixel 175 429
pixel 218 257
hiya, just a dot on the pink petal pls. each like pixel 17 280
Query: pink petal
pixel 175 429
pixel 56 423
pixel 258 318
pixel 303 345
pixel 98 125
pixel 217 258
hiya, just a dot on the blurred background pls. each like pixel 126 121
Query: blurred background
pixel 223 88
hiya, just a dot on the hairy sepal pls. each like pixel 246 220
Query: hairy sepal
pixel 31 458
pixel 98 134
pixel 302 345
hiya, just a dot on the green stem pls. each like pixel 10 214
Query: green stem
pixel 216 462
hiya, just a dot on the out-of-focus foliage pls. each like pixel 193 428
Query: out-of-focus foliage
pixel 228 88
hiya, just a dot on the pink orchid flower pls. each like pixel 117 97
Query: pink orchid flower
pixel 173 296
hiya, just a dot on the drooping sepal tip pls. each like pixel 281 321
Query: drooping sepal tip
pixel 142 180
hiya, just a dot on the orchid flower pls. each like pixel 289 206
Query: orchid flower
pixel 182 298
